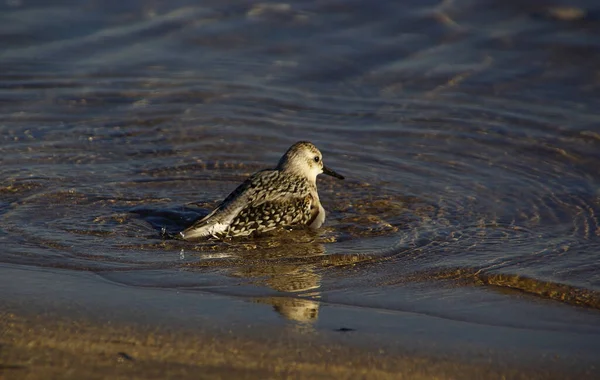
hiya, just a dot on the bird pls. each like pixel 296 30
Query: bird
pixel 270 199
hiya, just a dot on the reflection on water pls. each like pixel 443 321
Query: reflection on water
pixel 301 279
pixel 289 263
pixel 294 309
pixel 469 132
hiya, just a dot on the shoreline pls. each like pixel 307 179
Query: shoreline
pixel 59 323
pixel 40 348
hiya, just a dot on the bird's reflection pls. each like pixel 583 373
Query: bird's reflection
pixel 290 263
pixel 294 309
pixel 287 267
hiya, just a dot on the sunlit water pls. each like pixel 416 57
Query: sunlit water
pixel 468 132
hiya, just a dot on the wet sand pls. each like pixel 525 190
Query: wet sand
pixel 44 347
pixel 39 348
pixel 66 324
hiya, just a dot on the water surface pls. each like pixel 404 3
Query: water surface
pixel 468 132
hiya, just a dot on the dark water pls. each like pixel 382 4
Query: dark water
pixel 468 131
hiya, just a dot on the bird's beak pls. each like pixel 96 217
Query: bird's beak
pixel 330 172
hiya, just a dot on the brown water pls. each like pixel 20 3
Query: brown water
pixel 468 131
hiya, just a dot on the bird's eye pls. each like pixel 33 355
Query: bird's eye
pixel 316 158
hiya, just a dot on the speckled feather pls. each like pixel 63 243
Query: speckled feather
pixel 269 199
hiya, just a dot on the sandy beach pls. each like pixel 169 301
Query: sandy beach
pixel 68 331
pixel 45 348
pixel 39 348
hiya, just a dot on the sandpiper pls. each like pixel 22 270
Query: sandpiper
pixel 270 199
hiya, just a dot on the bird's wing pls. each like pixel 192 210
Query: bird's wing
pixel 266 186
pixel 269 215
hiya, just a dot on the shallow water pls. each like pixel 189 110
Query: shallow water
pixel 468 132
